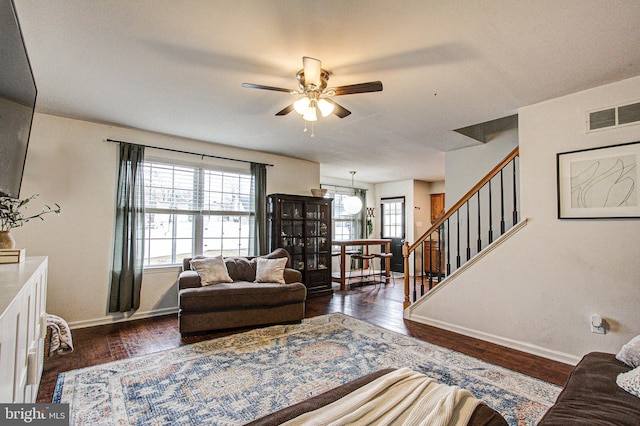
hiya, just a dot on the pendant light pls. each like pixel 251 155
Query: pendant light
pixel 352 204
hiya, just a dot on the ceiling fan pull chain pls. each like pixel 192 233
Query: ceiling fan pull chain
pixel 313 135
pixel 305 126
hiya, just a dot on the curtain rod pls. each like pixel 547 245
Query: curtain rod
pixel 193 153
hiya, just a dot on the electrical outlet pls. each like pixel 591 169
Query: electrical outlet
pixel 597 325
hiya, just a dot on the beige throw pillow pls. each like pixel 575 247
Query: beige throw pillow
pixel 270 270
pixel 630 381
pixel 212 270
pixel 630 353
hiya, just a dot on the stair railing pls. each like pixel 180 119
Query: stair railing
pixel 464 230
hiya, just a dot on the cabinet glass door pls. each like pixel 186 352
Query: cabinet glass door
pixel 313 231
pixel 292 210
pixel 302 226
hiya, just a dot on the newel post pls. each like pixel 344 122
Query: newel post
pixel 405 254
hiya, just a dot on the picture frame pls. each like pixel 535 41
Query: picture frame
pixel 599 183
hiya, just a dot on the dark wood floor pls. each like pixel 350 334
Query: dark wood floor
pixel 378 305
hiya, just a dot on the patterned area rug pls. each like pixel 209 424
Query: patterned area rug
pixel 233 380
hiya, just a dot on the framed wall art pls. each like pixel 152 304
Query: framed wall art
pixel 599 183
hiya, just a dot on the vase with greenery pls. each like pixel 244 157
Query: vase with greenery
pixel 13 216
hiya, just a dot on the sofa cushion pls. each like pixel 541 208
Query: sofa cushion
pixel 270 270
pixel 240 268
pixel 239 295
pixel 591 395
pixel 212 270
pixel 188 279
pixel 277 254
pixel 630 353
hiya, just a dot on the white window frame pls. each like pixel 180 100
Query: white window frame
pixel 196 207
pixel 392 217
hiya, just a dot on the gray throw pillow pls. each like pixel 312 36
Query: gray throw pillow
pixel 240 269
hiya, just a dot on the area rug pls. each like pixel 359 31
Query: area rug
pixel 235 379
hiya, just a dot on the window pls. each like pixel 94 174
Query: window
pixel 393 218
pixel 194 210
pixel 345 226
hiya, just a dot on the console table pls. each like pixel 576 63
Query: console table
pixel 23 298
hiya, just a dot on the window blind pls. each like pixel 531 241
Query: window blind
pixel 176 188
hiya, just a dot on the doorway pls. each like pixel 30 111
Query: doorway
pixel 393 228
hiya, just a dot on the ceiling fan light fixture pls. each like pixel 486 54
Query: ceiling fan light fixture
pixel 311 114
pixel 325 107
pixel 302 105
pixel 312 83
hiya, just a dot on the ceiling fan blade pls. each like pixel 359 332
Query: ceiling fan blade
pixel 311 70
pixel 372 86
pixel 285 111
pixel 260 86
pixel 338 109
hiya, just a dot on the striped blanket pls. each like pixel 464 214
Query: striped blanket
pixel 60 335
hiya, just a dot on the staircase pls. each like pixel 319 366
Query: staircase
pixel 485 213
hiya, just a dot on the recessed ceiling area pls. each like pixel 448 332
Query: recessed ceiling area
pixel 178 67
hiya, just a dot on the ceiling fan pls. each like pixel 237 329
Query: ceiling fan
pixel 312 83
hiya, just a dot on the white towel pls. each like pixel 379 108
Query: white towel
pixel 60 339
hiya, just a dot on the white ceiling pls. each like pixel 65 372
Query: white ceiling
pixel 177 67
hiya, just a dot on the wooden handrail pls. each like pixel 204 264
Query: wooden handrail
pixel 408 249
pixel 513 154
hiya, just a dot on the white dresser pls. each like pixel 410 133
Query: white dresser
pixel 23 298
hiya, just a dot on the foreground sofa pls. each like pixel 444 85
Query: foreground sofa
pixel 483 415
pixel 592 396
pixel 240 303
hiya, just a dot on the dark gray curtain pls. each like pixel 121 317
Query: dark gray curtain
pixel 361 217
pixel 128 251
pixel 258 238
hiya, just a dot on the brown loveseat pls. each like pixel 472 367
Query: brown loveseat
pixel 240 303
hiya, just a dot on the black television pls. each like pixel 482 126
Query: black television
pixel 17 101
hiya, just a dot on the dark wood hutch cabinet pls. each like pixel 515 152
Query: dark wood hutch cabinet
pixel 302 226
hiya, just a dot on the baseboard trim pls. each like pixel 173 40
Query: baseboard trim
pixel 502 341
pixel 122 317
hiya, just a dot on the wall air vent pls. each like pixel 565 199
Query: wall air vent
pixel 629 113
pixel 613 117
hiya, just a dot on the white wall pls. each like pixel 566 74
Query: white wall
pixel 465 167
pixel 422 204
pixel 70 163
pixel 537 290
pixel 422 207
